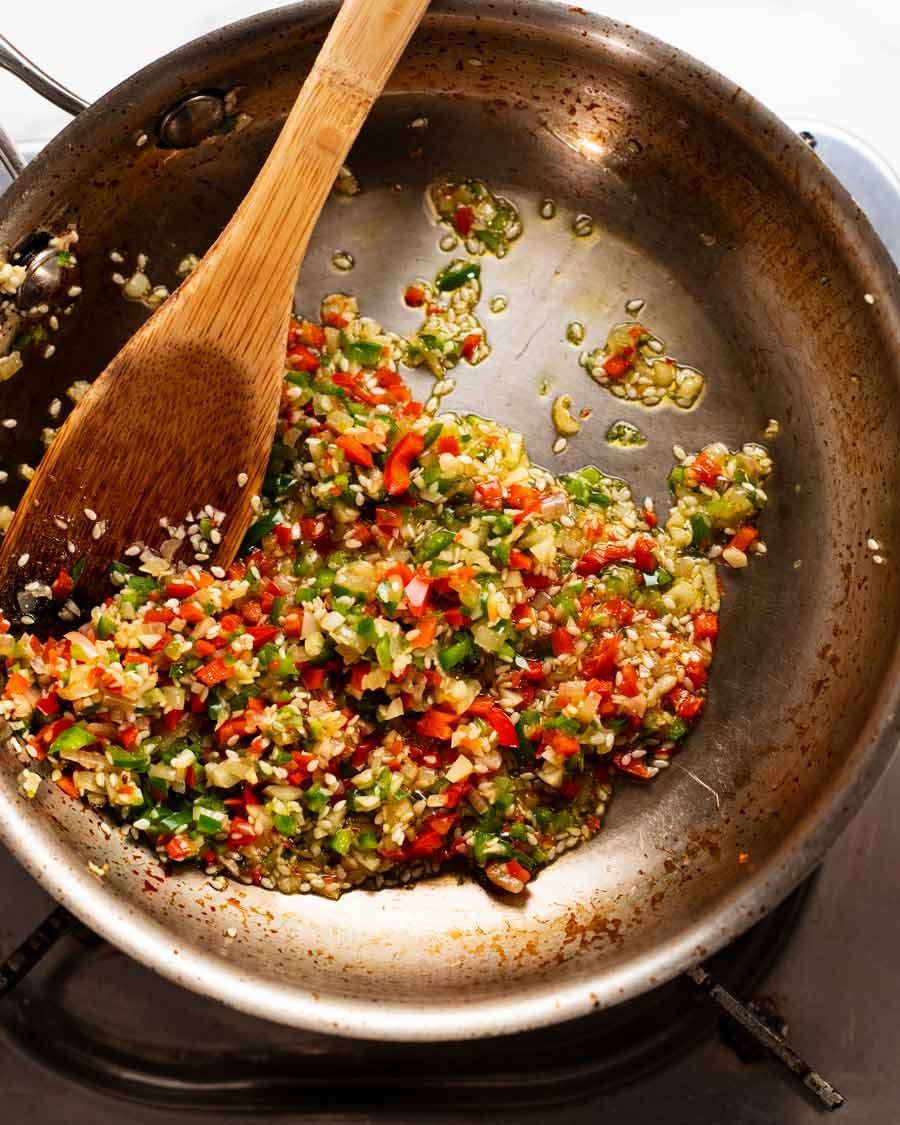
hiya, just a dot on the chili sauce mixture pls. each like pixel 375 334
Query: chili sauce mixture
pixel 429 649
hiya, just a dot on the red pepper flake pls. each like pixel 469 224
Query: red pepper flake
pixel 240 833
pixel 180 589
pixel 519 560
pixel 501 723
pixel 172 718
pixel 706 624
pixel 399 463
pixel 592 562
pixel 687 705
pixel 48 704
pixel 514 868
pixel 628 680
pixel 214 673
pixel 616 366
pixel 620 610
pixel 300 358
pixel 181 847
pixel 706 469
pixel 313 678
pixel 634 767
pixel 464 220
pixel 425 844
pixel 644 555
pixel 354 450
pixel 68 786
pixel 63 585
pixel 563 643
pixel 447 443
pixel 262 634
pixel 601 658
pixel 437 724
pixel 470 345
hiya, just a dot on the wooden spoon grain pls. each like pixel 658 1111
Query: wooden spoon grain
pixel 188 407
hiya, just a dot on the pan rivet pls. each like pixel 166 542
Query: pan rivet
pixel 189 121
pixel 805 135
pixel 42 281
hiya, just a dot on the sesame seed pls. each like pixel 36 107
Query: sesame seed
pixel 90 513
pixel 878 559
pixel 23 559
pixel 9 423
pixel 868 298
pixel 873 545
pixel 231 932
pixel 49 351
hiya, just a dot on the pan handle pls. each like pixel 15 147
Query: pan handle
pixel 12 59
pixel 11 161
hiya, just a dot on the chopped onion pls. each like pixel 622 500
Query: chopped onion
pixel 554 505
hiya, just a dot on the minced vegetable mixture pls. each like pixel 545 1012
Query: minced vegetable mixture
pixel 429 647
pixel 632 365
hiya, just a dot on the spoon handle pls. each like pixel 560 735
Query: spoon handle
pixel 258 255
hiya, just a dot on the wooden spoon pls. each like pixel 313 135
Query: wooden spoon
pixel 185 414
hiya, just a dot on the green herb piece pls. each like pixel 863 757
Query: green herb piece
pixel 433 544
pixel 364 352
pixel 316 798
pixel 340 842
pixel 457 652
pixel 625 434
pixel 123 759
pixel 72 738
pixel 456 274
pixel 259 530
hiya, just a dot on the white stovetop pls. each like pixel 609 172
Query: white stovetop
pixel 822 60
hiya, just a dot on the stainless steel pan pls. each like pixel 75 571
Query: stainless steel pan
pixel 754 264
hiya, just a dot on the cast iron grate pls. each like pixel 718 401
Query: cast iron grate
pixel 83 1017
